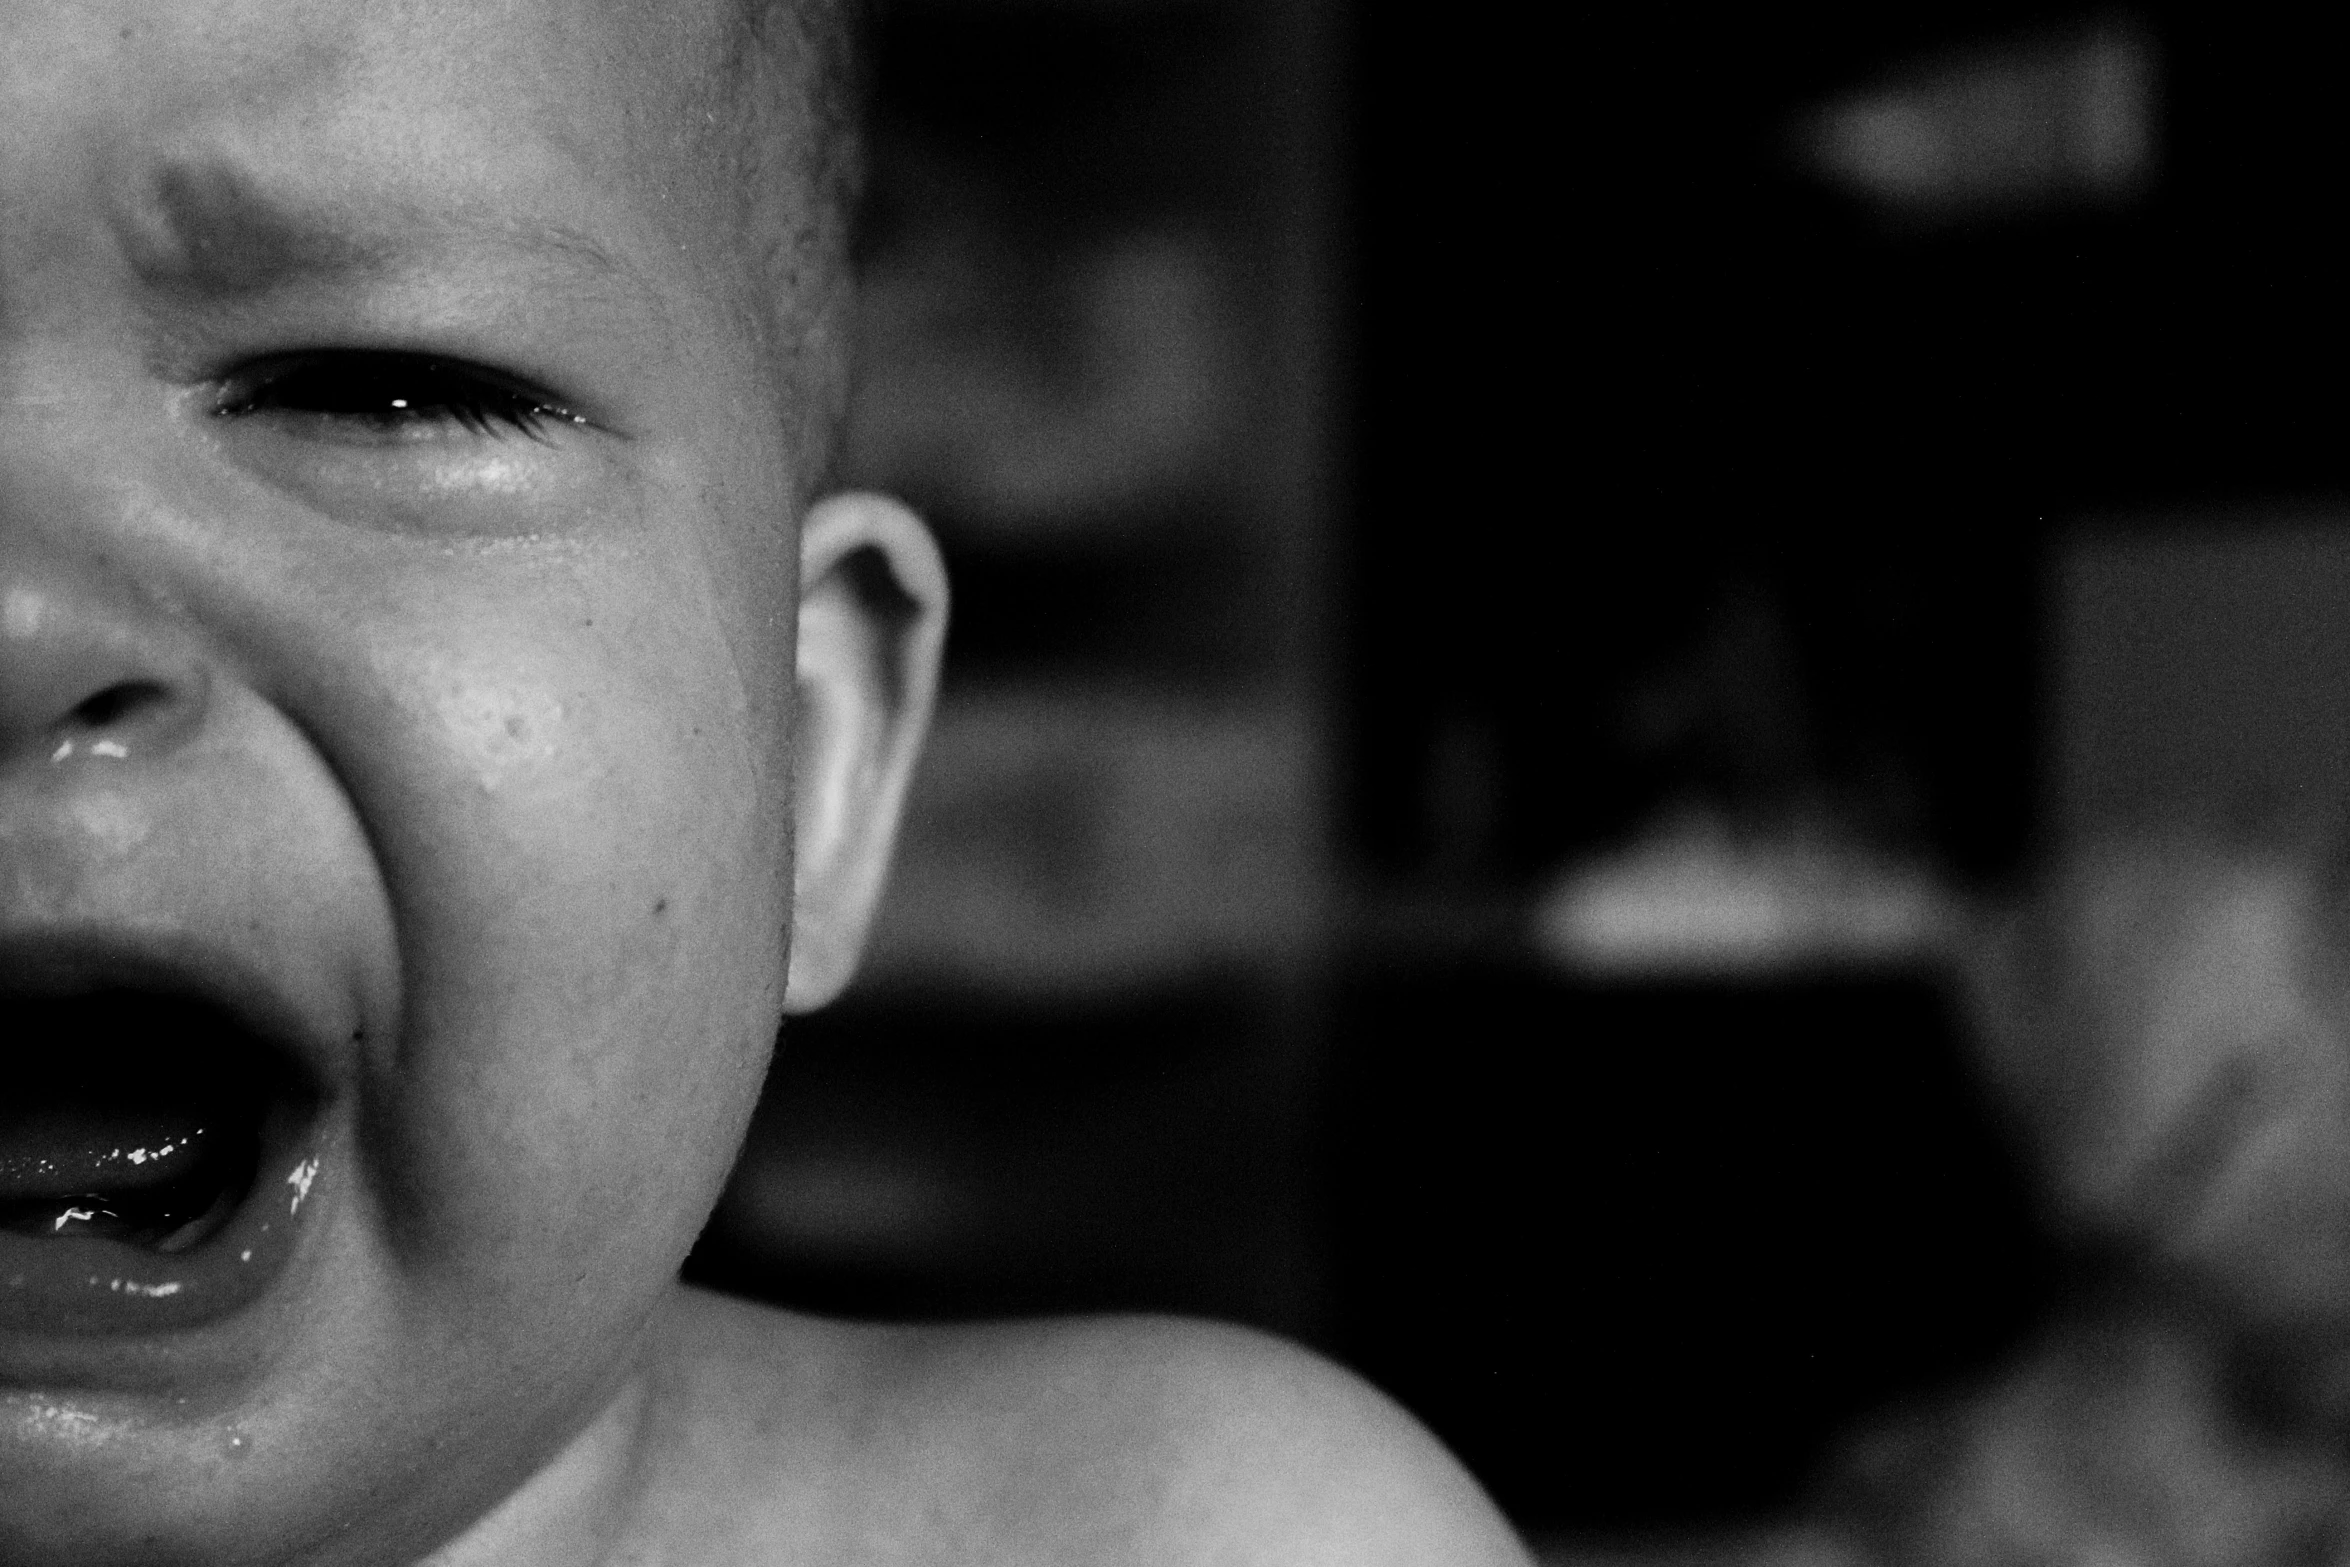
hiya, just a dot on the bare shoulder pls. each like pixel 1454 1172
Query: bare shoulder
pixel 1110 1440
pixel 1150 1440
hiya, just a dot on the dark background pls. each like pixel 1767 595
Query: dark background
pixel 1595 457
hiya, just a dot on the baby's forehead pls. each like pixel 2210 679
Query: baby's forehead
pixel 291 133
pixel 597 197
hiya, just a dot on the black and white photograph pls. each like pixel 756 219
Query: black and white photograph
pixel 1145 783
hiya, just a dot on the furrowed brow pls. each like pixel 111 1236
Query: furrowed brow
pixel 207 232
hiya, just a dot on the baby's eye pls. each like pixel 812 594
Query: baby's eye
pixel 391 395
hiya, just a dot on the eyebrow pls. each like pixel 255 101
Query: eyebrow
pixel 209 232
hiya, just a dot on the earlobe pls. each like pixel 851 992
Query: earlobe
pixel 873 611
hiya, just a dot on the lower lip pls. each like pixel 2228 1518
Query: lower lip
pixel 86 1285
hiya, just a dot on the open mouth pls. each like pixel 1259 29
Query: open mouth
pixel 137 1135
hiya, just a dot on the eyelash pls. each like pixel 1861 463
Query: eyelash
pixel 393 393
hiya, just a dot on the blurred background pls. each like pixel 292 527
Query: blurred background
pixel 1536 586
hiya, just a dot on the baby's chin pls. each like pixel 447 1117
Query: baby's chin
pixel 175 1142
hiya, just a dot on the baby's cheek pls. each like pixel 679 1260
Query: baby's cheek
pixel 504 732
pixel 607 778
pixel 597 901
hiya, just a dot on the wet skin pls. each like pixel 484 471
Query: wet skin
pixel 396 616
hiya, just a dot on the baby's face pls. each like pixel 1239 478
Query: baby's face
pixel 396 596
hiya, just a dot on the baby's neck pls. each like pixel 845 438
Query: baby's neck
pixel 576 1507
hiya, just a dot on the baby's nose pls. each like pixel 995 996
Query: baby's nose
pixel 91 672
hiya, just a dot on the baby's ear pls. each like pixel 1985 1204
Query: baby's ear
pixel 873 618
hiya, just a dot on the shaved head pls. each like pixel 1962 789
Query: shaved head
pixel 791 90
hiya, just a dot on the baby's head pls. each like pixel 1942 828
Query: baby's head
pixel 408 418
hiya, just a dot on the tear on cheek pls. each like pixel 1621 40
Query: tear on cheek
pixel 507 488
pixel 490 476
pixel 503 732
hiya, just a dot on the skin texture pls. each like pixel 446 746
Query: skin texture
pixel 474 749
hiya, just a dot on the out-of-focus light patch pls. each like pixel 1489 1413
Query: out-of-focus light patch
pixel 1083 841
pixel 1696 902
pixel 2063 120
pixel 967 403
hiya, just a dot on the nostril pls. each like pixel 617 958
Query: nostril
pixel 145 716
pixel 91 663
pixel 119 704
